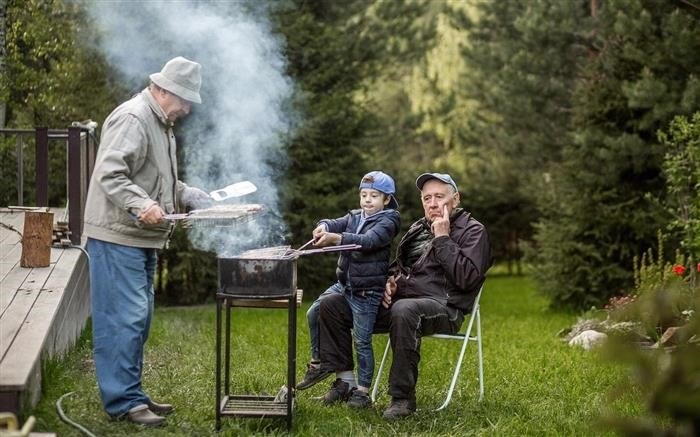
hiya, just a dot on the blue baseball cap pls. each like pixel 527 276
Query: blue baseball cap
pixel 442 177
pixel 380 181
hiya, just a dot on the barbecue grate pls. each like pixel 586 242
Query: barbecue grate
pixel 286 252
pixel 253 406
pixel 217 216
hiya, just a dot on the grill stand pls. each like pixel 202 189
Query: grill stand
pixel 228 404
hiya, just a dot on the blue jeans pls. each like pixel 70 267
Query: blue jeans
pixel 121 290
pixel 364 307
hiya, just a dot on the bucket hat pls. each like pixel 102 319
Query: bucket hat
pixel 181 77
pixel 442 177
pixel 380 181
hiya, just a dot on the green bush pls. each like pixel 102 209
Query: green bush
pixel 681 167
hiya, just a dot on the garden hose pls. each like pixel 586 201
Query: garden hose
pixel 66 419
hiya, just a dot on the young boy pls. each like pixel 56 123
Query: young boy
pixel 362 275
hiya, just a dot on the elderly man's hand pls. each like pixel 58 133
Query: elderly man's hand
pixel 441 225
pixel 389 290
pixel 152 215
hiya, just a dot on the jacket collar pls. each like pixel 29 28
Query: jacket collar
pixel 155 107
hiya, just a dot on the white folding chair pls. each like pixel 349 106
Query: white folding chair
pixel 465 338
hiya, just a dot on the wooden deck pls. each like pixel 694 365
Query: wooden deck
pixel 42 312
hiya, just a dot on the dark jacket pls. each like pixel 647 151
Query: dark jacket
pixel 451 269
pixel 367 268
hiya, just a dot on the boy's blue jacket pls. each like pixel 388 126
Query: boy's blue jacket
pixel 366 268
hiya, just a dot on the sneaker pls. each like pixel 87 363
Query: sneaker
pixel 359 399
pixel 340 391
pixel 399 408
pixel 314 374
pixel 141 415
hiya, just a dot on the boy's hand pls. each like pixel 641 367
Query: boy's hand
pixel 316 233
pixel 441 225
pixel 389 290
pixel 328 239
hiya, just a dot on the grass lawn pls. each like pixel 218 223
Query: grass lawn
pixel 535 383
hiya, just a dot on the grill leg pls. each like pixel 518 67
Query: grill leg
pixel 227 356
pixel 291 357
pixel 218 364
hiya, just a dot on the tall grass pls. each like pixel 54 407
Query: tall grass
pixel 535 384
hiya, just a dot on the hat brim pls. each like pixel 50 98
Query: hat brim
pixel 178 90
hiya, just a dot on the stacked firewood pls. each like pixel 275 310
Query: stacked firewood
pixel 61 234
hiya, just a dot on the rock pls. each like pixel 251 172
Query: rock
pixel 588 339
pixel 580 326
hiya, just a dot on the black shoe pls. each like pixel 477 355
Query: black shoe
pixel 399 408
pixel 160 409
pixel 359 399
pixel 314 374
pixel 340 391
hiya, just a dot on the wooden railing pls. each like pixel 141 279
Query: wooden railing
pixel 81 151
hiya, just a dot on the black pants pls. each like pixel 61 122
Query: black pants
pixel 407 320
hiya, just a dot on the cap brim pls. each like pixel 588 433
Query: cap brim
pixel 425 177
pixel 393 203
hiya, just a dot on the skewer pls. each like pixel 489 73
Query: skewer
pixel 306 244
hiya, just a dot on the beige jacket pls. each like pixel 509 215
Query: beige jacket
pixel 136 167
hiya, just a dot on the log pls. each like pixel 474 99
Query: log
pixel 36 239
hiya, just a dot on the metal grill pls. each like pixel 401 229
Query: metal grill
pixel 217 216
pixel 286 252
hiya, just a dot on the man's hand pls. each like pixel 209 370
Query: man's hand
pixel 152 215
pixel 389 290
pixel 441 225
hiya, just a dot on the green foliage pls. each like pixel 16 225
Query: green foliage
pixel 522 59
pixel 596 211
pixel 681 167
pixel 52 76
pixel 55 75
pixel 665 300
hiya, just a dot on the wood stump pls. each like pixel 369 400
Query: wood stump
pixel 36 239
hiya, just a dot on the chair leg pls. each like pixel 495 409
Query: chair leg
pixel 480 356
pixel 458 366
pixel 379 372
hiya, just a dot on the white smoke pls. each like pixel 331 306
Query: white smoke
pixel 236 133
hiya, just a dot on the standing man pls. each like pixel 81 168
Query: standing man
pixel 134 184
pixel 441 263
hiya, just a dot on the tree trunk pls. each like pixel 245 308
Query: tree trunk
pixel 3 54
pixel 36 239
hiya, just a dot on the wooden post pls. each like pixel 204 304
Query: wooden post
pixel 36 239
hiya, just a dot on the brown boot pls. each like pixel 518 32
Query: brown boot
pixel 141 415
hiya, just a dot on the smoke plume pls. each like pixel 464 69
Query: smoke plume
pixel 238 130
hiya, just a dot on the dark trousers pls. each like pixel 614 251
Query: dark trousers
pixel 406 321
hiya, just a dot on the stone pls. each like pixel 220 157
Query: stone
pixel 588 339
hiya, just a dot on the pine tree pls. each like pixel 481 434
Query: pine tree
pixel 521 59
pixel 640 72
